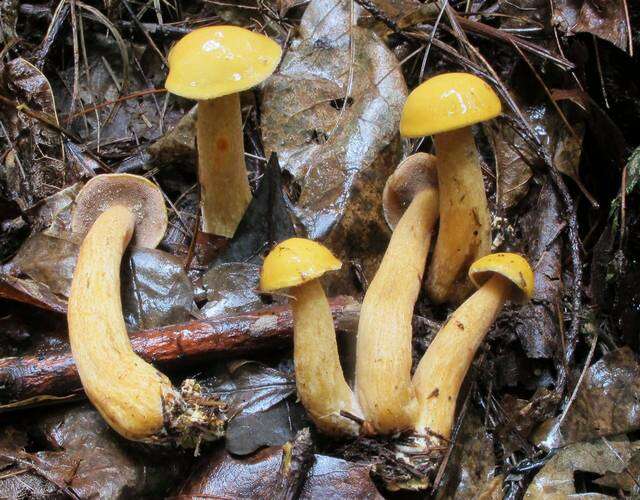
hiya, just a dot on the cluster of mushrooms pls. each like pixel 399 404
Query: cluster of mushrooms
pixel 213 65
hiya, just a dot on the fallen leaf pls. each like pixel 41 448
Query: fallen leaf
pixel 607 403
pixel 178 143
pixel 84 455
pixel 537 322
pixel 36 168
pixel 266 222
pixel 231 287
pixel 558 478
pixel 222 475
pixel 331 112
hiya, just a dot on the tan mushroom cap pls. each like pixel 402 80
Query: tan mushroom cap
pixel 134 192
pixel 414 174
pixel 511 266
pixel 294 262
pixel 220 60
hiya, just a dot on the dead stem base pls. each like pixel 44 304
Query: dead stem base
pixel 191 417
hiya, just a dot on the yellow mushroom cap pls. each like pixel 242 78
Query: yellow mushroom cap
pixel 220 60
pixel 448 102
pixel 296 261
pixel 511 266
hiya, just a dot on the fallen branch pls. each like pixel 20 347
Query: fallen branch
pixel 31 380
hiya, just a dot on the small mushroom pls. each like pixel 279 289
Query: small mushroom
pixel 134 398
pixel 297 264
pixel 383 359
pixel 213 65
pixel 441 371
pixel 446 106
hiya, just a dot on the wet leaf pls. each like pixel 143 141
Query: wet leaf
pixel 156 290
pixel 231 287
pixel 537 322
pixel 85 457
pixel 608 402
pixel 255 394
pixel 31 292
pixel 267 220
pixel 472 463
pixel 222 475
pixel 558 478
pixel 36 168
pixel 331 113
pixel 179 143
pixel 604 19
pixel 48 260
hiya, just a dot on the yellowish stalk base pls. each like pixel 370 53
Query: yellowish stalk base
pixel 319 378
pixel 442 369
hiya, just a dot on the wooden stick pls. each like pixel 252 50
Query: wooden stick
pixel 31 380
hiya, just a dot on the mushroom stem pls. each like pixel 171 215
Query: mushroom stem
pixel 105 360
pixel 131 395
pixel 221 167
pixel 383 364
pixel 319 378
pixel 465 223
pixel 442 369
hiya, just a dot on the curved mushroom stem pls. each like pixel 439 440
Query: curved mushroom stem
pixel 221 167
pixel 133 397
pixel 383 359
pixel 465 223
pixel 319 378
pixel 442 369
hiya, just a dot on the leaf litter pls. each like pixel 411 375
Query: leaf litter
pixel 321 137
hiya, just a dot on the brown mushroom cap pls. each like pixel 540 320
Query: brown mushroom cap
pixel 414 174
pixel 134 192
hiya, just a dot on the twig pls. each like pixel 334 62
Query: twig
pixel 30 380
pixel 297 459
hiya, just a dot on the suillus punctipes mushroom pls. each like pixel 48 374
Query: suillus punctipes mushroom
pixel 135 399
pixel 441 371
pixel 297 264
pixel 213 65
pixel 446 106
pixel 383 359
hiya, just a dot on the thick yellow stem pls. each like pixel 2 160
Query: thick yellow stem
pixel 321 384
pixel 465 223
pixel 442 369
pixel 126 390
pixel 221 168
pixel 383 361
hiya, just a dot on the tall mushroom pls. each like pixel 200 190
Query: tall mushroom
pixel 446 106
pixel 441 371
pixel 134 398
pixel 383 359
pixel 297 264
pixel 213 65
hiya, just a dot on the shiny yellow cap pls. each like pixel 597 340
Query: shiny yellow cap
pixel 512 266
pixel 294 262
pixel 448 102
pixel 220 60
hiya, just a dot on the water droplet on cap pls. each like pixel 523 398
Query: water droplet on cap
pixel 237 76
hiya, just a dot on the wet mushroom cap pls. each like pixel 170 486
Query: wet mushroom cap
pixel 220 60
pixel 136 193
pixel 294 262
pixel 448 102
pixel 414 174
pixel 513 267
